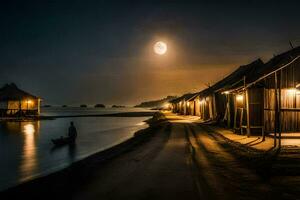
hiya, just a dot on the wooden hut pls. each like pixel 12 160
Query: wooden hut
pixel 207 104
pixel 181 104
pixel 277 86
pixel 232 101
pixel 15 102
pixel 267 99
pixel 258 97
pixel 191 104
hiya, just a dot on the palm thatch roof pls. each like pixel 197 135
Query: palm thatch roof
pixel 12 92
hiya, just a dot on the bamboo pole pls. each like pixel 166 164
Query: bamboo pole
pixel 263 114
pixel 276 109
pixel 247 108
pixel 235 113
pixel 228 113
pixel 279 108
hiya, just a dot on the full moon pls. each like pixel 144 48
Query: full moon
pixel 160 48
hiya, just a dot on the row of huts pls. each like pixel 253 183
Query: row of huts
pixel 255 98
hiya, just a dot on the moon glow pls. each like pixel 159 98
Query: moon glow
pixel 160 48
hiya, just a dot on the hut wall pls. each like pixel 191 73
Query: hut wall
pixel 269 110
pixel 220 102
pixel 197 106
pixel 237 107
pixel 191 107
pixel 289 78
pixel 204 109
pixel 256 105
pixel 210 101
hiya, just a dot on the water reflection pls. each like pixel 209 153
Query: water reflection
pixel 29 156
pixel 26 150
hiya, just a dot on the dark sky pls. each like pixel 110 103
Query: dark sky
pixel 71 52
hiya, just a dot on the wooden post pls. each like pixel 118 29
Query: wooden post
pixel 39 106
pixel 263 114
pixel 276 109
pixel 279 110
pixel 228 113
pixel 214 106
pixel 235 113
pixel 247 108
pixel 241 120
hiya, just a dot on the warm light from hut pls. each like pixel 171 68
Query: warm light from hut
pixel 226 92
pixel 291 91
pixel 29 101
pixel 166 105
pixel 239 97
pixel 188 103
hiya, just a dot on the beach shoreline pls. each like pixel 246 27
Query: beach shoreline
pixel 79 168
pixel 121 114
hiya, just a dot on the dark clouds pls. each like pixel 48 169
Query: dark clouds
pixel 101 51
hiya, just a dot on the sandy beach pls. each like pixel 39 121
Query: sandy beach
pixel 175 158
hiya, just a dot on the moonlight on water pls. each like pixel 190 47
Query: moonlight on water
pixel 160 48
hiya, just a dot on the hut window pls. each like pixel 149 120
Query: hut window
pixel 29 102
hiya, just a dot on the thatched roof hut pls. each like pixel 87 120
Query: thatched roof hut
pixel 12 92
pixel 16 102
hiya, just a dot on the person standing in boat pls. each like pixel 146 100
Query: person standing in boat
pixel 72 131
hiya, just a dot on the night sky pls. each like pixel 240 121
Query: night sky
pixel 72 52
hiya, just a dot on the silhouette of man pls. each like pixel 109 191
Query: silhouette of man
pixel 72 131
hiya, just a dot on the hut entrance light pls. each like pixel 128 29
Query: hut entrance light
pixel 239 97
pixel 292 91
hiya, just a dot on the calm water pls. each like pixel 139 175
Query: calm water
pixel 26 150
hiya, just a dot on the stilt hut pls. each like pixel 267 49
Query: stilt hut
pixel 232 101
pixel 277 86
pixel 266 99
pixel 15 102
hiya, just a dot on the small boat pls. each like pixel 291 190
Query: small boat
pixel 63 141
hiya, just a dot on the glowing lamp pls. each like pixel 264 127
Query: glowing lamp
pixel 291 91
pixel 239 97
pixel 226 92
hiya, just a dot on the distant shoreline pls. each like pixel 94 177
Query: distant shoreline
pixel 124 114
